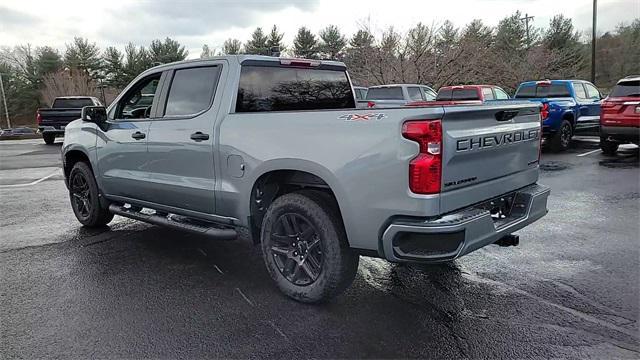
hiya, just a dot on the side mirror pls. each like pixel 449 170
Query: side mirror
pixel 94 114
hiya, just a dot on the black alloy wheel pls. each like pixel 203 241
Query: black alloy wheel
pixel 296 249
pixel 80 195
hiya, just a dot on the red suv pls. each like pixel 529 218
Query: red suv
pixel 620 115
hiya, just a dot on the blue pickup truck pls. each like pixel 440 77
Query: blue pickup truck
pixel 567 106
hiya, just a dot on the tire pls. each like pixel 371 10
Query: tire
pixel 49 138
pixel 562 138
pixel 305 247
pixel 608 147
pixel 84 197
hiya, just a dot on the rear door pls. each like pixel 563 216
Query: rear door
pixel 488 150
pixel 181 167
pixel 122 143
pixel 588 99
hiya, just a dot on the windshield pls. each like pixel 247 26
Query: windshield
pixel 385 93
pixel 543 91
pixel 626 88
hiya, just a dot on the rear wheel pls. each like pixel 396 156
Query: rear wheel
pixel 49 138
pixel 84 196
pixel 305 248
pixel 608 147
pixel 562 138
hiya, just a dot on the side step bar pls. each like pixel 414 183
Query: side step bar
pixel 196 228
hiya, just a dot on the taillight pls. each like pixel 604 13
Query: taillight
pixel 607 104
pixel 38 118
pixel 370 104
pixel 544 111
pixel 425 170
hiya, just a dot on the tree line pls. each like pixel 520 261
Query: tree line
pixel 505 55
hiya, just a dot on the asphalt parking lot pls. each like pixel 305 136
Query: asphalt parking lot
pixel 570 289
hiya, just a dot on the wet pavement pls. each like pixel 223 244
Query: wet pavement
pixel 570 289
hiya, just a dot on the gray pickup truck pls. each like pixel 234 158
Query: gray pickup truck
pixel 277 147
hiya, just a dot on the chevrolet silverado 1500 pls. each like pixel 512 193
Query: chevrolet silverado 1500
pixel 278 147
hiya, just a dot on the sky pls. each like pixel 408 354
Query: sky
pixel 197 22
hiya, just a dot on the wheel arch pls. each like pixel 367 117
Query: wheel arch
pixel 276 178
pixel 71 157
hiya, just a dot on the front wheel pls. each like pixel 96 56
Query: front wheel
pixel 608 147
pixel 84 196
pixel 305 247
pixel 562 138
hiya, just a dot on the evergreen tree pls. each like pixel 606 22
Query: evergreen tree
pixel 447 36
pixel 137 60
pixel 511 35
pixel 257 45
pixel 114 68
pixel 275 40
pixel 477 31
pixel 560 33
pixel 305 44
pixel 84 56
pixel 166 52
pixel 332 42
pixel 231 47
pixel 362 39
pixel 47 60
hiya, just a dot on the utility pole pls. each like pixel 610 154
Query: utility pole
pixel 4 101
pixel 526 19
pixel 593 42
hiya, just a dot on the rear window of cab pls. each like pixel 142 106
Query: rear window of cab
pixel 273 88
pixel 457 94
pixel 543 91
pixel 385 93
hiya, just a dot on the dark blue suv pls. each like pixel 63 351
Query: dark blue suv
pixel 567 106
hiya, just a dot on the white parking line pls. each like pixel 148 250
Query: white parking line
pixel 33 182
pixel 589 153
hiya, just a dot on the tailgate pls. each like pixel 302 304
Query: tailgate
pixel 59 116
pixel 489 150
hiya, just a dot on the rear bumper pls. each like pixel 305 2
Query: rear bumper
pixel 620 133
pixel 51 129
pixel 461 232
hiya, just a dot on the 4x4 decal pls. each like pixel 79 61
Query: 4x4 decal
pixel 362 117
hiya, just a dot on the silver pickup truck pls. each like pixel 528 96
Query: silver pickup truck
pixel 277 146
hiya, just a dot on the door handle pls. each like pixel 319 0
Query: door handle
pixel 138 135
pixel 199 136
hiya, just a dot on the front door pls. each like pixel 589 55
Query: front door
pixel 121 145
pixel 181 140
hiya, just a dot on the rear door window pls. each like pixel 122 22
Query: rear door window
pixel 414 93
pixel 580 91
pixel 385 93
pixel 191 90
pixel 626 88
pixel 487 93
pixel 274 88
